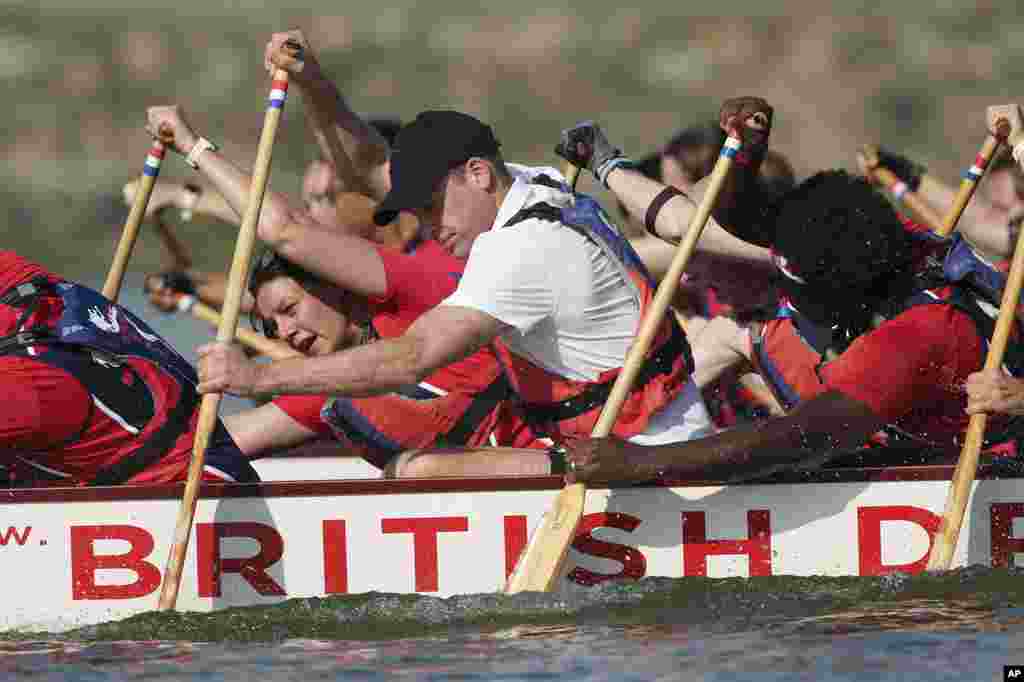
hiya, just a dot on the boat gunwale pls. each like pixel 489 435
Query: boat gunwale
pixel 346 487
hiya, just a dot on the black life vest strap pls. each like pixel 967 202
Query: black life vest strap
pixel 547 181
pixel 156 445
pixel 483 404
pixel 541 211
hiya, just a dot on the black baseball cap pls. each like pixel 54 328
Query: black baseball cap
pixel 425 151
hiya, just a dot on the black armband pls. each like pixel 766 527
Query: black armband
pixel 651 217
pixel 910 172
pixel 556 455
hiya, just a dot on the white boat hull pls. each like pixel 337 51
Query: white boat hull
pixel 73 557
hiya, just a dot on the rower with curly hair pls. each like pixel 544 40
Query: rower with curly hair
pixel 860 344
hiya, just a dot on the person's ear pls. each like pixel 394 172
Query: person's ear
pixel 481 174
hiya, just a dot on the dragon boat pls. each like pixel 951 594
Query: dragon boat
pixel 78 556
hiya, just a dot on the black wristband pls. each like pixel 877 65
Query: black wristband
pixel 556 455
pixel 910 172
pixel 651 217
pixel 178 281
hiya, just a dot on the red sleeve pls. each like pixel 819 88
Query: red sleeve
pixel 305 409
pixel 918 358
pixel 420 279
pixel 43 406
pixel 14 270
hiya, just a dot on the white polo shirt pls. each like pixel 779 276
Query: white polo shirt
pixel 569 309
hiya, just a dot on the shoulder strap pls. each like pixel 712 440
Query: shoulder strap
pixel 540 211
pixel 548 181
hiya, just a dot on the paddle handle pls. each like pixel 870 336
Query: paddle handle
pixel 969 183
pixel 244 247
pixel 572 174
pixel 257 342
pixel 922 211
pixel 946 537
pixel 665 292
pixel 150 172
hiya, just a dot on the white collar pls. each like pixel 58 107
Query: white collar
pixel 514 201
pixel 524 192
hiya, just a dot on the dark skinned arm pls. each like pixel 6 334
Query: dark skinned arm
pixel 829 423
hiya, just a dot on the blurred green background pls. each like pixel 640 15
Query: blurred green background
pixel 78 76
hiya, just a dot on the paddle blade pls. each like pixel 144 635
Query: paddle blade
pixel 540 565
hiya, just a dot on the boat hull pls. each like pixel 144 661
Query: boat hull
pixel 73 557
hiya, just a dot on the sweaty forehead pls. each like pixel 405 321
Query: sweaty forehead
pixel 276 292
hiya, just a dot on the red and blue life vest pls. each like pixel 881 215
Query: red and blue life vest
pixel 134 376
pixel 790 356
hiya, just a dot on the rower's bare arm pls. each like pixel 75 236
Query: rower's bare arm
pixel 816 429
pixel 637 192
pixel 184 197
pixel 264 429
pixel 164 289
pixel 983 224
pixel 348 261
pixel 986 227
pixel 720 346
pixel 355 148
pixel 586 146
pixel 438 338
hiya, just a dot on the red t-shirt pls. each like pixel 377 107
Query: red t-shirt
pixel 911 370
pixel 419 278
pixel 305 409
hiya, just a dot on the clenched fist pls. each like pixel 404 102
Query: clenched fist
pixel 747 118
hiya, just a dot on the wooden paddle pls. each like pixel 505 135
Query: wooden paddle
pixel 257 342
pixel 971 178
pixel 885 177
pixel 540 565
pixel 225 334
pixel 150 172
pixel 967 466
pixel 572 174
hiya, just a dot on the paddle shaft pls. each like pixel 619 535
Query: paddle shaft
pixel 257 342
pixel 150 172
pixel 925 213
pixel 941 556
pixel 542 560
pixel 225 334
pixel 969 183
pixel 572 174
pixel 662 299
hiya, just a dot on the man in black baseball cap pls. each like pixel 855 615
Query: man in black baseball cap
pixel 425 151
pixel 546 274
